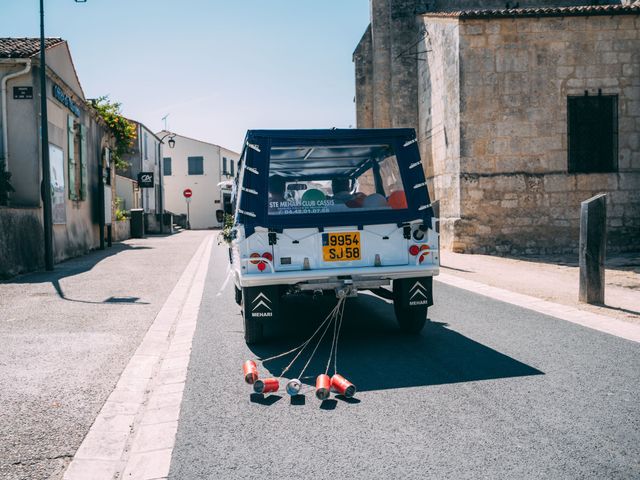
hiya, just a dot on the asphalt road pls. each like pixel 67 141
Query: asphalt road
pixel 489 390
pixel 66 336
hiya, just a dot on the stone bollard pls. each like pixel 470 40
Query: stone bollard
pixel 593 241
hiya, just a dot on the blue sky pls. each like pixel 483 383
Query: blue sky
pixel 218 67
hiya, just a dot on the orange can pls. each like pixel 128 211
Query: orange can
pixel 250 372
pixel 323 387
pixel 343 386
pixel 267 385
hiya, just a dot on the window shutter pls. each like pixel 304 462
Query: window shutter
pixel 71 163
pixel 83 162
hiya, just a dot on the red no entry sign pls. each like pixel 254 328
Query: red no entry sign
pixel 187 193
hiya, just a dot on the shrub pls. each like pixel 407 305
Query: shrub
pixel 122 129
pixel 5 184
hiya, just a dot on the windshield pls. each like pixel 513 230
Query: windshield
pixel 326 179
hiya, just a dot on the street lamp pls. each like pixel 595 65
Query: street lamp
pixel 44 139
pixel 172 143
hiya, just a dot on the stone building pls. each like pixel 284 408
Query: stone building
pixel 521 114
pixel 79 143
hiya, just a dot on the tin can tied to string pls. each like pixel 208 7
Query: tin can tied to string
pixel 323 387
pixel 293 386
pixel 343 386
pixel 250 371
pixel 268 385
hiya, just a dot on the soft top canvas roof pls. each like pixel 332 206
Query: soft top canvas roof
pixel 323 162
pixel 341 151
pixel 332 133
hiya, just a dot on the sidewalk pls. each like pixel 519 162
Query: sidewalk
pixel 65 338
pixel 554 279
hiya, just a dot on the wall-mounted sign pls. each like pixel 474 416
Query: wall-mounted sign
pixel 108 199
pixel 187 193
pixel 65 99
pixel 22 93
pixel 58 205
pixel 145 180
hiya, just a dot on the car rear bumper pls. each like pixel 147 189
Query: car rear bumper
pixel 366 273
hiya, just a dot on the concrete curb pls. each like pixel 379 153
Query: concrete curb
pixel 134 433
pixel 602 323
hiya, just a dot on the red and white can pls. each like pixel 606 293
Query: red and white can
pixel 267 385
pixel 250 370
pixel 343 386
pixel 323 387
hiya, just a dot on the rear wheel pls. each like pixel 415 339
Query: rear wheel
pixel 253 331
pixel 411 320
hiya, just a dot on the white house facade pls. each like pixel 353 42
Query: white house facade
pixel 200 167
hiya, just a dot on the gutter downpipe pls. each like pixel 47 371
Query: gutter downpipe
pixel 5 129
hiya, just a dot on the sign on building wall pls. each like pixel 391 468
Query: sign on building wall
pixel 58 205
pixel 106 180
pixel 22 93
pixel 145 180
pixel 65 99
pixel 108 201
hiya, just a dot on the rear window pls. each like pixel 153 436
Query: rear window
pixel 326 179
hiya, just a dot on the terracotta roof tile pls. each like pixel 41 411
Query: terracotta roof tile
pixel 541 12
pixel 24 47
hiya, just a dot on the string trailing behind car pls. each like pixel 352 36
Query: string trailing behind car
pixel 332 211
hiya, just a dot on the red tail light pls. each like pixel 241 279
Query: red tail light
pixel 255 255
pixel 268 256
pixel 424 251
pixel 262 266
pixel 414 250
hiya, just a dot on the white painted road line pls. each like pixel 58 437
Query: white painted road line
pixel 602 323
pixel 134 433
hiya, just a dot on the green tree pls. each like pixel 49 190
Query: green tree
pixel 122 129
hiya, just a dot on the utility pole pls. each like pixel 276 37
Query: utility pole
pixel 45 189
pixel 44 139
pixel 160 202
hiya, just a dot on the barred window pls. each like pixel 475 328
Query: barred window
pixel 593 134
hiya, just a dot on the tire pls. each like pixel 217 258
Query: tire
pixel 253 331
pixel 238 293
pixel 411 320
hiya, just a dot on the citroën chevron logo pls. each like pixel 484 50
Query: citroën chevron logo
pixel 261 302
pixel 418 295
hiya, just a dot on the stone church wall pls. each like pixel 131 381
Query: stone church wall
pixel 516 75
pixel 439 127
pixel 488 99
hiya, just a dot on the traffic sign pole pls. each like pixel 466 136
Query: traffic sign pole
pixel 187 193
pixel 188 216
